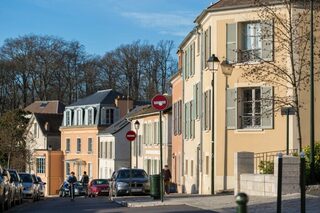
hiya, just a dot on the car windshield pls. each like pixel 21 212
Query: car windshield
pixel 26 178
pixel 134 174
pixel 14 176
pixel 100 182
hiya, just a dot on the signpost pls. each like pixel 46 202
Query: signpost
pixel 160 103
pixel 288 111
pixel 131 135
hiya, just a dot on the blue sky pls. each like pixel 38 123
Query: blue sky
pixel 100 25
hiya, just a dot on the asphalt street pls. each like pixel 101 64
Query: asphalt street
pixel 98 205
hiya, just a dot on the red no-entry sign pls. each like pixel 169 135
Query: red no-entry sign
pixel 159 102
pixel 131 135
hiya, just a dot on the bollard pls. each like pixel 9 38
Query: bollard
pixel 279 191
pixel 242 200
pixel 302 183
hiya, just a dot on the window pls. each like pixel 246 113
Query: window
pixel 189 61
pixel 250 108
pixel 67 168
pixel 90 170
pixel 103 149
pixel 41 164
pixel 90 116
pixel 68 145
pixel 68 118
pixel 187 120
pixel 109 116
pixel 90 145
pixel 191 121
pixel 186 171
pixel 79 117
pixel 207 165
pixel 35 130
pixel 78 145
pixel 207 110
pixel 191 169
pixel 140 145
pixel 255 41
pixel 196 98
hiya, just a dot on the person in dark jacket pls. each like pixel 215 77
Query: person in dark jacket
pixel 166 179
pixel 85 180
pixel 72 180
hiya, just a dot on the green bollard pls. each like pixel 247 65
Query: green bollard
pixel 242 200
pixel 302 183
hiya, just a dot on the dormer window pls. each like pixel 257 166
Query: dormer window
pixel 107 115
pixel 68 118
pixel 90 116
pixel 78 120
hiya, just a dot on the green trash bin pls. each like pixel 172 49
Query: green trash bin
pixel 155 186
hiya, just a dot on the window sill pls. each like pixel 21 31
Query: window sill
pixel 249 130
pixel 67 151
pixel 89 152
pixel 78 152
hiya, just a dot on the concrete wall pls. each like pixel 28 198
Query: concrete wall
pixel 265 184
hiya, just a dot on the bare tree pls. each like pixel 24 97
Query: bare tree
pixel 286 29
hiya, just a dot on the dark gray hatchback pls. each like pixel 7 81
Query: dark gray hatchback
pixel 129 181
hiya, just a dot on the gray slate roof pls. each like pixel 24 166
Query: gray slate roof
pixel 117 126
pixel 100 97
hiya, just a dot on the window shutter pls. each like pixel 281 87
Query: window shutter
pixel 232 108
pixel 184 65
pixel 194 104
pixel 202 51
pixel 116 115
pixel 194 58
pixel 267 40
pixel 210 109
pixel 209 41
pixel 267 107
pixel 232 43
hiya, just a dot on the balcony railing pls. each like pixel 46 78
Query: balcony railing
pixel 269 157
pixel 249 55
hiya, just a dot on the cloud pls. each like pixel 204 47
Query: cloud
pixel 176 24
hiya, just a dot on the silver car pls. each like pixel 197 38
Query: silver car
pixel 129 181
pixel 30 187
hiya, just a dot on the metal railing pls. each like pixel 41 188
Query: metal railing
pixel 269 157
pixel 249 55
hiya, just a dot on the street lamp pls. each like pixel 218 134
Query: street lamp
pixel 213 63
pixel 137 126
pixel 227 71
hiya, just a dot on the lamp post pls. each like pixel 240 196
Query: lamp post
pixel 227 71
pixel 312 175
pixel 213 63
pixel 137 126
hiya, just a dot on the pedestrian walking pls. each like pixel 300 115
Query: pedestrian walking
pixel 166 179
pixel 85 180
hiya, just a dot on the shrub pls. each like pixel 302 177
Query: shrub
pixel 266 167
pixel 316 161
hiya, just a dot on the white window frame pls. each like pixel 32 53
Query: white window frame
pixel 78 145
pixel 68 145
pixel 41 165
pixel 90 145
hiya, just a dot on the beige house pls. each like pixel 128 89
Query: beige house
pixel 82 123
pixel 43 140
pixel 225 114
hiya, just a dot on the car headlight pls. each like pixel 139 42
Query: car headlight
pixel 122 184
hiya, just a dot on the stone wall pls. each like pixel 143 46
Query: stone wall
pixel 265 184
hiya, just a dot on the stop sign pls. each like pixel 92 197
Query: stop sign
pixel 131 135
pixel 159 102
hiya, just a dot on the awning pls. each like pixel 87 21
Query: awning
pixel 76 160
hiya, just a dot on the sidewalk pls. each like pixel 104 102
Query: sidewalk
pixel 225 202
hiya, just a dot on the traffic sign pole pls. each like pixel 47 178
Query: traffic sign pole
pixel 160 103
pixel 161 170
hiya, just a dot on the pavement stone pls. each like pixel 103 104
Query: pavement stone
pixel 225 202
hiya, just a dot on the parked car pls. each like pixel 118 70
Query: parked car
pixel 123 182
pixel 64 190
pixel 30 188
pixel 11 189
pixel 42 186
pixel 4 190
pixel 98 187
pixel 16 180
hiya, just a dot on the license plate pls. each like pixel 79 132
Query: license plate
pixel 104 190
pixel 136 190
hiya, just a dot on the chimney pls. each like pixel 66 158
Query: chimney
pixel 124 104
